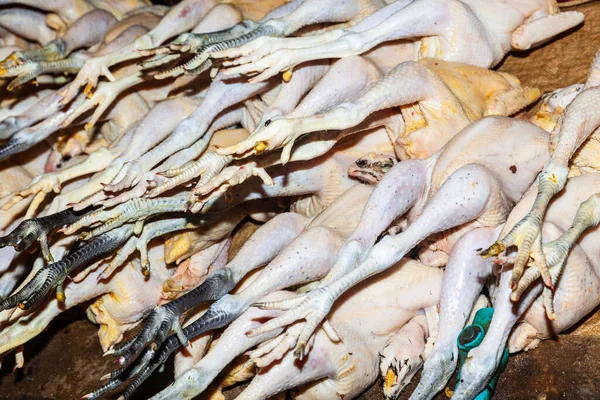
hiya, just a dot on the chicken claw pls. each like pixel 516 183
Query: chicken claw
pixel 130 174
pixel 158 60
pixel 267 67
pixel 114 383
pixel 276 348
pixel 137 373
pixel 526 234
pixel 184 43
pixel 312 307
pixel 198 44
pixel 579 120
pixel 150 231
pixel 103 97
pixel 166 317
pixel 133 210
pixel 272 350
pixel 175 177
pixel 53 275
pixel 250 52
pixel 557 252
pixel 231 176
pixel 159 323
pixel 31 69
pixel 54 50
pixel 30 230
pixel 39 187
pixel 276 133
pixel 23 73
pixel 208 166
pixel 195 66
pixel 88 76
pixel 219 41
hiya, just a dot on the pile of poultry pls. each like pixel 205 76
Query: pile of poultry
pixel 371 139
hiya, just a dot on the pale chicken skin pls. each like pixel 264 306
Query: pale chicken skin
pixel 344 368
pixel 141 138
pixel 524 326
pixel 483 190
pixel 436 100
pixel 118 304
pixel 473 32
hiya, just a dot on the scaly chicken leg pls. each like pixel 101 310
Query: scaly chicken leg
pixel 440 111
pixel 87 31
pixel 465 31
pixel 579 275
pixel 347 367
pixel 581 119
pixel 180 18
pixel 465 273
pixel 477 194
pixel 260 249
